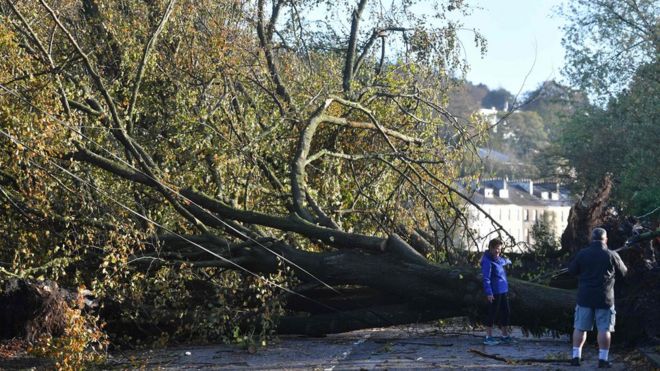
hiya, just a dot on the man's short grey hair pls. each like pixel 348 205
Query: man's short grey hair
pixel 599 234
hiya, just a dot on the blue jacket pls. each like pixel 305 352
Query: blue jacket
pixel 494 275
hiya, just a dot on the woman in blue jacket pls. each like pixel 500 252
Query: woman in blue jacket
pixel 496 288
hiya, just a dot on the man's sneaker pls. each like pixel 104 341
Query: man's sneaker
pixel 604 364
pixel 575 361
pixel 508 340
pixel 489 340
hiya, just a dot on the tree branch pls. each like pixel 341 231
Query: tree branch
pixel 322 218
pixel 265 34
pixel 382 33
pixel 143 63
pixel 298 182
pixel 373 119
pixel 202 204
pixel 120 132
pixel 47 57
pixel 352 44
pixel 292 223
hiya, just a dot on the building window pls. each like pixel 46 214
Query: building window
pixel 526 215
pixel 535 215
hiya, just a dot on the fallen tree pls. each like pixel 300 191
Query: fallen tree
pixel 157 166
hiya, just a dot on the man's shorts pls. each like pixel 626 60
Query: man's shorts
pixel 604 317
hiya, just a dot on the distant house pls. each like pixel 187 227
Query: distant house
pixel 490 114
pixel 516 205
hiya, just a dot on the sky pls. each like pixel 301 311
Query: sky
pixel 523 37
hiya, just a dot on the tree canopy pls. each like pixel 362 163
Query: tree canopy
pixel 612 54
pixel 607 40
pixel 620 140
pixel 147 146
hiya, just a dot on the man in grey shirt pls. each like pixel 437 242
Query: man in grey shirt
pixel 596 267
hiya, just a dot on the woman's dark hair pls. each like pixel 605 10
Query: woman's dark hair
pixel 494 242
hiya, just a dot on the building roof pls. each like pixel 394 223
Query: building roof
pixel 519 195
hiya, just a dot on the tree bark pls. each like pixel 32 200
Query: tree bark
pixel 406 287
pixel 587 213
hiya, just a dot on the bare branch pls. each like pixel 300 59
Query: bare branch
pixel 85 108
pixel 346 156
pixel 85 155
pixel 298 182
pixel 371 116
pixel 352 44
pixel 292 223
pixel 265 33
pixel 143 63
pixel 376 126
pixel 323 218
pixel 382 33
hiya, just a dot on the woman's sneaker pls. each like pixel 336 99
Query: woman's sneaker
pixel 489 340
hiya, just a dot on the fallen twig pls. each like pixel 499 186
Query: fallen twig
pixel 414 343
pixel 522 360
pixel 492 356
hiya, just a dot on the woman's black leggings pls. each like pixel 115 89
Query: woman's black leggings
pixel 498 312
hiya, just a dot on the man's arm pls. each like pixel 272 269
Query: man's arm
pixel 618 264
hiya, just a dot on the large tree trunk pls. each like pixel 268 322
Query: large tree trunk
pixel 402 287
pixel 425 292
pixel 395 285
pixel 588 212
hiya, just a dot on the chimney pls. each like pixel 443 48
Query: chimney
pixel 503 192
pixel 527 185
pixel 555 195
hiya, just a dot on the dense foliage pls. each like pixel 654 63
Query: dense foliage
pixel 612 53
pixel 620 140
pixel 606 41
pixel 293 130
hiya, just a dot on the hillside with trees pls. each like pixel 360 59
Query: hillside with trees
pixel 524 128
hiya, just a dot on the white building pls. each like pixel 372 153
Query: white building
pixel 516 206
pixel 489 114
